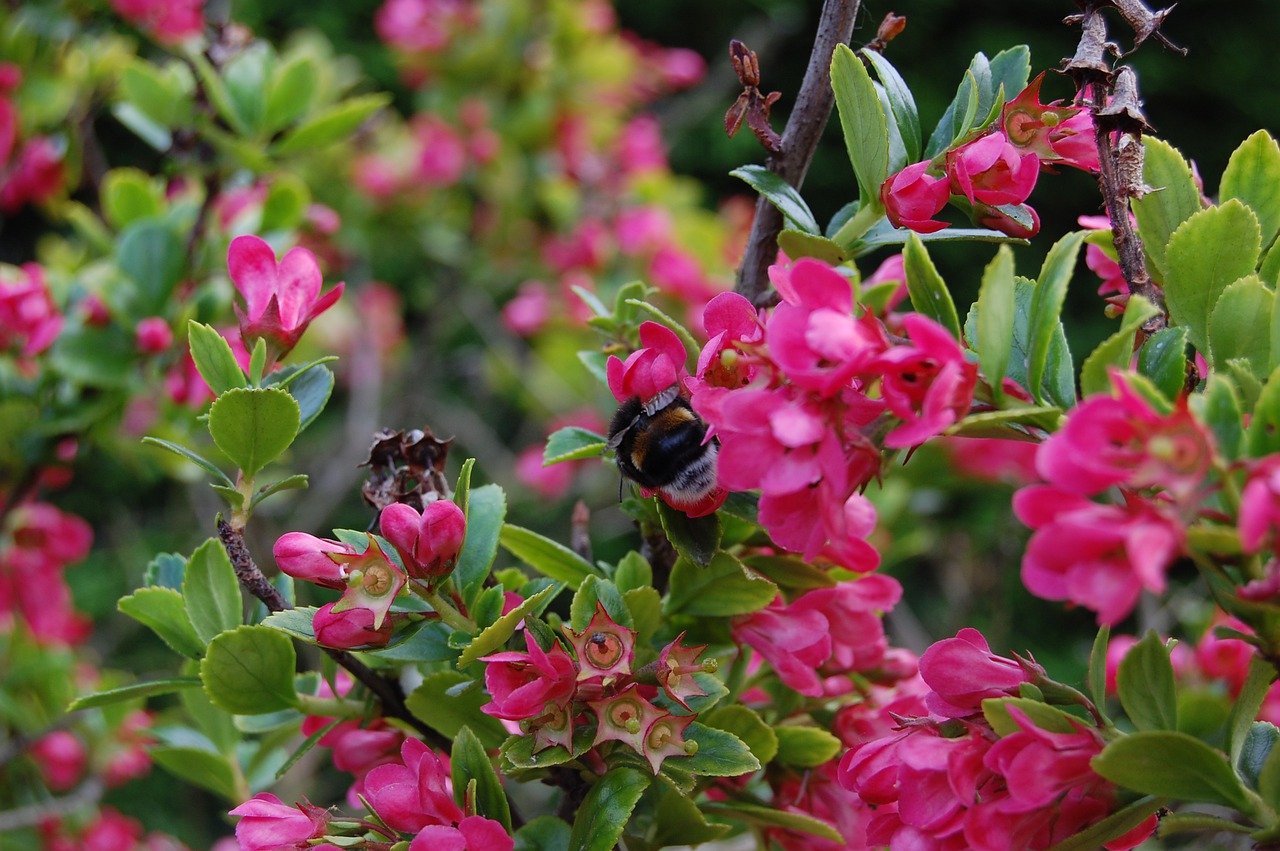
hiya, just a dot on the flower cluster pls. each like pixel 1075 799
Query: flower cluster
pixel 38 542
pixel 31 169
pixel 29 319
pixel 169 22
pixel 992 176
pixel 552 692
pixel 948 780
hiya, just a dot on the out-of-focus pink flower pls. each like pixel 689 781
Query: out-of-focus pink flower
pixel 358 750
pixel 111 831
pixel 1260 504
pixel 412 795
pixel 350 628
pixel 912 198
pixel 642 230
pixel 153 335
pixel 61 758
pixel 551 481
pixel 994 460
pixel 640 147
pixel 306 557
pixel 46 538
pixel 585 247
pixel 678 272
pixel 167 21
pixel 428 543
pixel 268 824
pixel 423 26
pixel 962 672
pixel 1225 659
pixel 929 384
pixel 29 320
pixel 527 313
pixel 473 833
pixel 992 170
pixel 281 299
pixel 34 176
pixel 650 370
pixel 441 152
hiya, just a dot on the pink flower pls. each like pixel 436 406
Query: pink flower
pixel 415 794
pixel 441 152
pixel 428 543
pixel 796 641
pixel 61 758
pixel 641 231
pixel 44 537
pixel 422 26
pixel 473 833
pixel 604 648
pixel 34 176
pixel 1260 503
pixel 679 273
pixel 992 170
pixel 912 198
pixel 153 335
pixel 1057 135
pixel 167 21
pixel 962 672
pixel 586 247
pixel 551 481
pixel 656 367
pixel 640 147
pixel 994 460
pixel 520 685
pixel 306 557
pixel 350 628
pixel 929 384
pixel 268 824
pixel 29 320
pixel 281 300
pixel 527 313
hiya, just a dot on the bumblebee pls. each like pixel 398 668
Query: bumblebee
pixel 662 446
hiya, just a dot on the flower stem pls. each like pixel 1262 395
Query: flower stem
pixel 446 611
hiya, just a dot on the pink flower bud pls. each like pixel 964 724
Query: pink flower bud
pixel 153 335
pixel 61 758
pixel 415 794
pixel 912 197
pixel 268 824
pixel 992 170
pixel 350 628
pixel 429 542
pixel 304 556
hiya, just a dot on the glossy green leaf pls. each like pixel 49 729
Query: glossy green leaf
pixel 781 194
pixel 1146 685
pixel 214 359
pixel 154 257
pixel 469 761
pixel 492 638
pixel 1042 715
pixel 543 833
pixel 1240 325
pixel 332 124
pixel 199 460
pixel 296 622
pixel 759 816
pixel 311 390
pixel 645 606
pixel 1252 176
pixel 132 692
pixel 591 592
pixel 1011 70
pixel 445 703
pixel 289 96
pixel 573 444
pixel 902 105
pixel 883 234
pixel 743 722
pixel 798 244
pixel 863 123
pixel 516 753
pixel 1209 251
pixel 254 425
pixel 960 112
pixel 1112 827
pixel 929 293
pixel 1159 213
pixel 606 808
pixel 249 671
pixel 790 573
pixel 996 306
pixel 164 612
pixel 1171 765
pixel 720 754
pixel 1115 351
pixel 722 589
pixel 211 591
pixel 1264 428
pixel 486 510
pixel 1046 307
pixel 1258 743
pixel 1163 359
pixel 544 555
pixel 694 538
pixel 806 747
pixel 204 768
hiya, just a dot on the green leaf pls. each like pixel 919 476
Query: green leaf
pixel 1259 742
pixel 1264 428
pixel 1059 383
pixel 633 571
pixel 486 509
pixel 807 747
pixel 1268 776
pixel 503 628
pixel 1247 703
pixel 929 294
pixel 469 761
pixel 298 482
pixel 668 816
pixel 1116 350
pixel 645 606
pixel 695 538
pixel 1241 325
pixel 790 573
pixel 1146 685
pixel 545 555
pixel 249 671
pixel 996 306
pixel 254 425
pixel 211 591
pixel 296 622
pixel 1171 824
pixel 204 768
pixel 154 257
pixel 760 816
pixel 245 76
pixel 132 692
pixel 1098 667
pixel 1112 827
pixel 161 95
pixel 745 724
pixel 573 444
pixel 1046 306
pixel 543 833
pixel 1160 213
pixel 1042 715
pixel 444 703
pixel 606 808
pixel 901 103
pixel 1218 407
pixel 720 754
pixel 798 244
pixel 144 127
pixel 1163 359
pixel 128 195
pixel 200 461
pixel 307 744
pixel 863 123
pixel 781 194
pixel 722 589
pixel 163 611
pixel 1011 70
pixel 330 125
pixel 311 390
pixel 595 590
pixel 165 571
pixel 215 89
pixel 214 359
pixel 293 85
pixel 1171 765
pixel 1206 253
pixel 1252 176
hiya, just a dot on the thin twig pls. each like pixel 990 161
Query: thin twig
pixel 799 141
pixel 89 792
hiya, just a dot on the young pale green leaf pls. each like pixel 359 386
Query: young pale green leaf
pixel 214 359
pixel 633 571
pixel 545 555
pixel 743 722
pixel 132 692
pixel 720 754
pixel 806 747
pixel 128 195
pixel 446 704
pixel 1042 715
pixel 254 425
pixel 1172 765
pixel 211 591
pixel 1112 827
pixel 996 308
pixel 1252 176
pixel 1146 685
pixel 165 571
pixel 645 606
pixel 492 638
pixel 573 443
pixel 293 85
pixel 929 294
pixel 756 815
pixel 486 509
pixel 1160 213
pixel 163 95
pixel 605 810
pixel 468 761
pixel 722 589
pixel 1163 359
pixel 289 483
pixel 1046 306
pixel 1264 427
pixel 249 670
pixel 798 244
pixel 154 257
pixel 163 611
pixel 246 75
pixel 901 103
pixel 1246 705
pixel 331 124
pixel 199 460
pixel 694 538
pixel 781 194
pixel 863 123
pixel 1116 350
pixel 1207 252
pixel 1241 326
pixel 592 591
pixel 286 203
pixel 203 768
